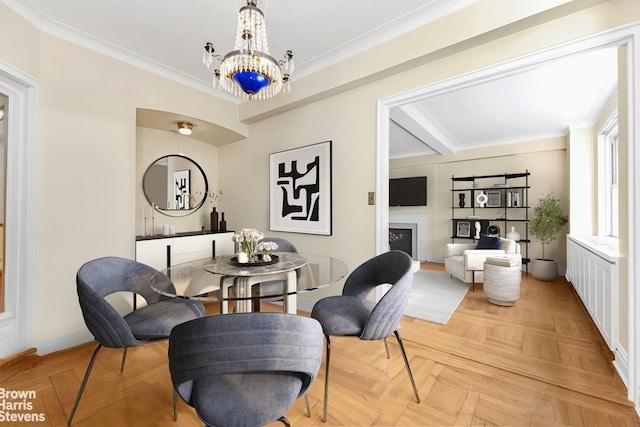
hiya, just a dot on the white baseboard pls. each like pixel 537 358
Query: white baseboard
pixel 62 343
pixel 621 363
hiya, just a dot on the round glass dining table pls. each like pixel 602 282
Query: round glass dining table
pixel 222 279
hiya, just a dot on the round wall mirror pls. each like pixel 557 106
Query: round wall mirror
pixel 175 184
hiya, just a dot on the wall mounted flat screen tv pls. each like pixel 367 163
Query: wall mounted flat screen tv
pixel 408 191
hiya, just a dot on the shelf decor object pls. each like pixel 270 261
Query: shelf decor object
pixel 494 199
pixel 482 199
pixel 463 229
pixel 513 234
pixel 214 219
pixel 223 223
pixel 494 230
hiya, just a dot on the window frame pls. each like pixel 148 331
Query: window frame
pixel 608 179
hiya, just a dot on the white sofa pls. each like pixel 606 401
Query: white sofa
pixel 465 262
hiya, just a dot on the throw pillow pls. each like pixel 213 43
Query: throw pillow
pixel 488 242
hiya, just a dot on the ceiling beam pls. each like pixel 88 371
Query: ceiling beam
pixel 416 120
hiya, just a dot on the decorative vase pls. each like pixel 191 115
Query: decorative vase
pixel 223 223
pixel 481 199
pixel 461 200
pixel 214 219
pixel 513 234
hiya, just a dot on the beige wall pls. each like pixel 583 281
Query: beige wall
pixel 87 197
pixel 20 44
pixel 581 168
pixel 348 120
pixel 87 159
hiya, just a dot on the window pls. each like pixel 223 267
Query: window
pixel 608 185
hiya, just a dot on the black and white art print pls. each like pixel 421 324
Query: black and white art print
pixel 300 189
pixel 181 189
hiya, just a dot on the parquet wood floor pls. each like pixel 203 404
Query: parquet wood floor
pixel 539 363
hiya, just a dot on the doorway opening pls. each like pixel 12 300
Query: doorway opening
pixel 626 38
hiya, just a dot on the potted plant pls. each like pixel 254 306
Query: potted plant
pixel 548 219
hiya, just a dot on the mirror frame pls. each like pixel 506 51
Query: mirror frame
pixel 176 212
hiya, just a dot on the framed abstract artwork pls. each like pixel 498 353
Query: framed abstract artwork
pixel 300 190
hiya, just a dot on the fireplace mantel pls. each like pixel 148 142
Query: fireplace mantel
pixel 418 219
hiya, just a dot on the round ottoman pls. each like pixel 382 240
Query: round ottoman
pixel 502 279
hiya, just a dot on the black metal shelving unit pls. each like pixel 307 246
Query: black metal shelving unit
pixel 507 205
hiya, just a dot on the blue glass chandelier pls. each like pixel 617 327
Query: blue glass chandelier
pixel 249 70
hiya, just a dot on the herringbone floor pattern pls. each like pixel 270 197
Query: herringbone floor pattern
pixel 539 363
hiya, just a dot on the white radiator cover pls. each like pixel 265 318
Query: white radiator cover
pixel 592 269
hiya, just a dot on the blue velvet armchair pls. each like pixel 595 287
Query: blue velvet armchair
pixel 244 369
pixel 104 276
pixel 353 314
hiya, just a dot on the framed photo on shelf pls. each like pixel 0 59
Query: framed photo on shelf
pixel 463 229
pixel 494 199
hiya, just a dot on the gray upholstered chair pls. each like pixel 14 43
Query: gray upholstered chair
pixel 244 369
pixel 105 276
pixel 260 291
pixel 353 314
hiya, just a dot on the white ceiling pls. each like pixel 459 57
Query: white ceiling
pixel 171 33
pixel 166 36
pixel 536 103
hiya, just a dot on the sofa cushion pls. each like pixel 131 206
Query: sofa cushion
pixel 488 242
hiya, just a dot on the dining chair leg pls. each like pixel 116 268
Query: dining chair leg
pixel 326 379
pixel 406 363
pixel 386 347
pixel 284 421
pixel 124 358
pixel 175 405
pixel 306 403
pixel 84 383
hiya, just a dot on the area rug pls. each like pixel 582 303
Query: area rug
pixel 435 295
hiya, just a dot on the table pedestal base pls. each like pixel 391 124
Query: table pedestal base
pixel 243 288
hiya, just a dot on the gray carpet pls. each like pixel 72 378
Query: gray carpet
pixel 435 296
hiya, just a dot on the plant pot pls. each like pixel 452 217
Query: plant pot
pixel 544 269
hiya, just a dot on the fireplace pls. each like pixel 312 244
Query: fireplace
pixel 402 237
pixel 408 233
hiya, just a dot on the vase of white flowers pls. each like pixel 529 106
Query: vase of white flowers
pixel 248 239
pixel 266 248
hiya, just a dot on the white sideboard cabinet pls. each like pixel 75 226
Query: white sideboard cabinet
pixel 161 252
